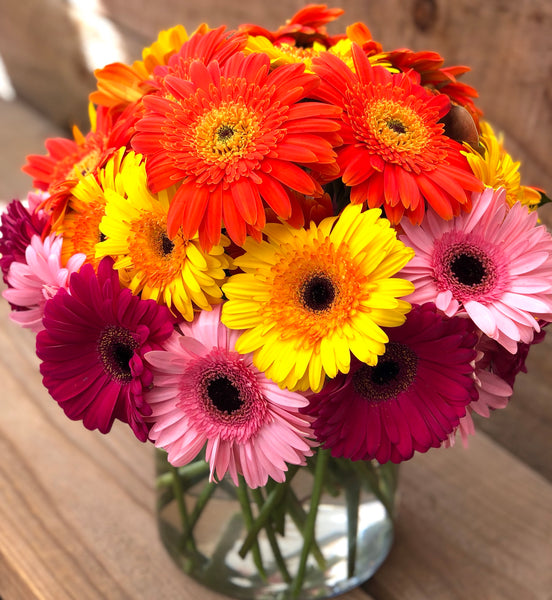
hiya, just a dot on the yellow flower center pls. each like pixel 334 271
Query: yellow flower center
pixel 396 126
pixel 315 290
pixel 226 133
pixel 297 54
pixel 86 165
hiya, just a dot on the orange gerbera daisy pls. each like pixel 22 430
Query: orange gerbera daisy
pixel 305 27
pixel 120 85
pixel 444 79
pixel 235 135
pixel 68 161
pixel 215 44
pixel 394 153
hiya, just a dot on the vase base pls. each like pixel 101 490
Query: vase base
pixel 342 560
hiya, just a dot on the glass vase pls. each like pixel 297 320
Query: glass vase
pixel 322 532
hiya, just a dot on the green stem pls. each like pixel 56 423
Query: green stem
pixel 352 500
pixel 199 506
pixel 186 473
pixel 299 517
pixel 243 498
pixel 259 499
pixel 308 532
pixel 183 511
pixel 272 500
pixel 376 484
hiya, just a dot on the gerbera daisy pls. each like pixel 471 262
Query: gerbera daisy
pixel 38 278
pixel 92 347
pixel 235 135
pixel 120 85
pixel 493 264
pixel 306 26
pixel 433 74
pixel 496 169
pixel 86 207
pixel 394 151
pixel 493 391
pixel 68 160
pixel 310 297
pixel 410 401
pixel 18 224
pixel 501 362
pixel 206 394
pixel 174 272
pixel 205 45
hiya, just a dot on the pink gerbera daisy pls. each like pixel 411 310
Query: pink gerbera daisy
pixel 35 280
pixel 92 346
pixel 206 394
pixel 411 400
pixel 493 264
pixel 18 224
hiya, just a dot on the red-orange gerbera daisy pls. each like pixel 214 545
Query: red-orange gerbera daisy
pixel 235 135
pixel 444 79
pixel 394 150
pixel 68 160
pixel 215 44
pixel 305 27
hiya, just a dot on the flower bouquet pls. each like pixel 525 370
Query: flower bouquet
pixel 290 261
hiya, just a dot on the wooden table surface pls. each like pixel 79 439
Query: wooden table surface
pixel 77 508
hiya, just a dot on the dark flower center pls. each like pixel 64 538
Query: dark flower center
pixel 318 293
pixel 393 374
pixel 396 126
pixel 167 246
pixel 224 133
pixel 224 395
pixel 116 348
pixel 468 269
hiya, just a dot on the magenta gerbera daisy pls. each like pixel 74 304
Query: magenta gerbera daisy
pixel 410 401
pixel 494 264
pixel 235 136
pixel 205 394
pixel 92 346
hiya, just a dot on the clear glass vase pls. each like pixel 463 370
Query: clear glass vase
pixel 324 531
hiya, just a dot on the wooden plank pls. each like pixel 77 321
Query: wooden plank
pixel 22 132
pixel 472 524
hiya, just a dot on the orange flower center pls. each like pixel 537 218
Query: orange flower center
pixel 397 127
pixel 152 252
pixel 315 290
pixel 81 232
pixel 226 133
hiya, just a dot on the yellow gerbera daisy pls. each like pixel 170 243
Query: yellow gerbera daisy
pixel 309 297
pixel 284 53
pixel 496 168
pixel 86 206
pixel 175 272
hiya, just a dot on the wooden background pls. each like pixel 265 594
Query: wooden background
pixel 49 48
